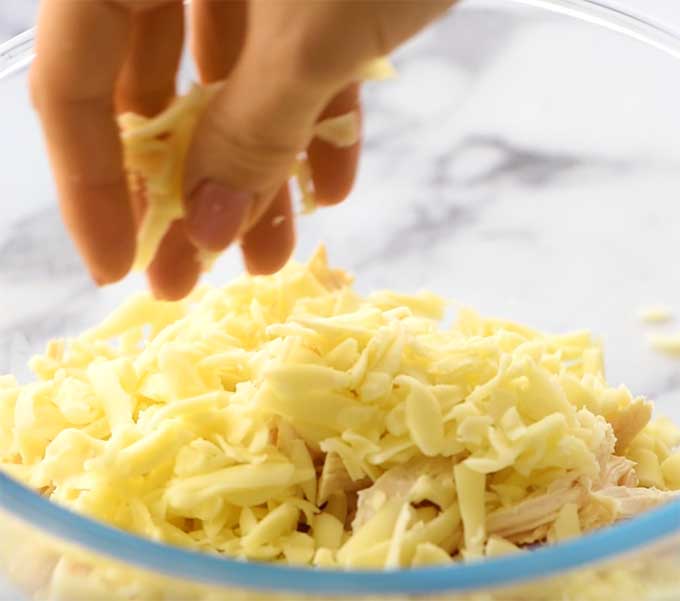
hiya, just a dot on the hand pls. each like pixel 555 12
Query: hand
pixel 288 63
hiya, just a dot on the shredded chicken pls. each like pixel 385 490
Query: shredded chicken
pixel 615 496
pixel 630 502
pixel 610 497
pixel 399 482
pixel 529 520
pixel 335 479
pixel 618 471
pixel 606 449
pixel 598 512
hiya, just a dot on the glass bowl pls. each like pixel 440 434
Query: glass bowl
pixel 526 162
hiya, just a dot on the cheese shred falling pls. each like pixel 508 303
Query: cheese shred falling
pixel 288 419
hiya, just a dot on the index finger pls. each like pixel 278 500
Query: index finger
pixel 81 48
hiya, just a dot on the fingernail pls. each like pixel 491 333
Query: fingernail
pixel 216 213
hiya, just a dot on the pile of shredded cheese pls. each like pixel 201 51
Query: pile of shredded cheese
pixel 155 150
pixel 287 418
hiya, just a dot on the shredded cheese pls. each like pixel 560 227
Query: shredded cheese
pixel 342 131
pixel 655 314
pixel 287 418
pixel 378 70
pixel 668 344
pixel 497 546
pixel 471 487
pixel 154 153
pixel 567 525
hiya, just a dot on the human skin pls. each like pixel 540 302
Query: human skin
pixel 286 64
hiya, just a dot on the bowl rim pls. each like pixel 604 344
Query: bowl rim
pixel 653 527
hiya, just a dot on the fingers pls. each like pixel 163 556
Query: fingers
pixel 175 270
pixel 286 74
pixel 146 83
pixel 329 40
pixel 395 21
pixel 244 148
pixel 80 51
pixel 219 30
pixel 216 215
pixel 218 35
pixel 333 168
pixel 270 242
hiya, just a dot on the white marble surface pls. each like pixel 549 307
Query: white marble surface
pixel 526 166
pixel 16 16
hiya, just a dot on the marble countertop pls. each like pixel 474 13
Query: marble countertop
pixel 526 166
pixel 16 16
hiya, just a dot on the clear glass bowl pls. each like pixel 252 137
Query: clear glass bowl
pixel 527 162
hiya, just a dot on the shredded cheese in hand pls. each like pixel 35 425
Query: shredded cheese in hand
pixel 155 150
pixel 287 418
pixel 154 153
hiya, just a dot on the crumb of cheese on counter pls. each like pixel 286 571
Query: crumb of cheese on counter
pixel 655 314
pixel 668 344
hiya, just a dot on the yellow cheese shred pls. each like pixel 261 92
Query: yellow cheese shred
pixel 668 344
pixel 655 314
pixel 289 419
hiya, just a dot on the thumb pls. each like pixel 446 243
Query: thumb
pixel 244 148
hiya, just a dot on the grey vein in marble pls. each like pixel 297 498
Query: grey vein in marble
pixel 38 246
